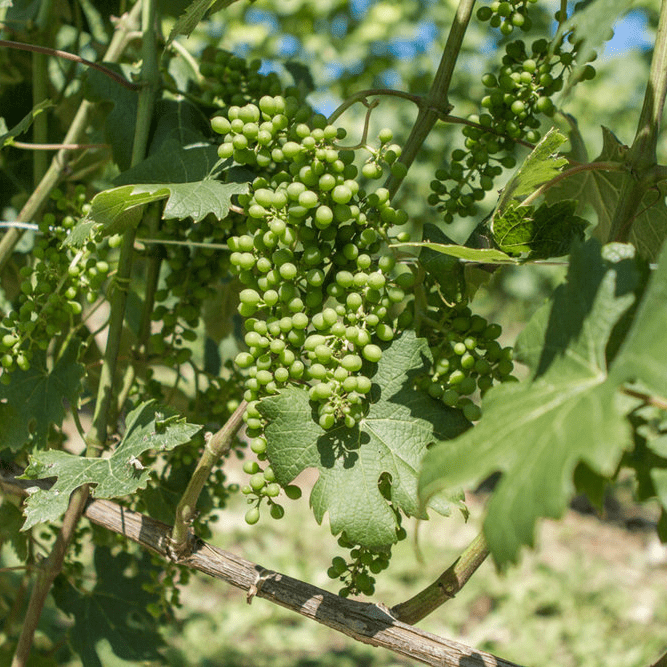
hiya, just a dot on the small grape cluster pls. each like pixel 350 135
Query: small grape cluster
pixel 318 292
pixel 53 285
pixel 357 574
pixel 262 486
pixel 507 15
pixel 517 96
pixel 467 357
pixel 231 80
pixel 386 155
pixel 194 266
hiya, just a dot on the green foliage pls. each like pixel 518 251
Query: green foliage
pixel 119 475
pixel 390 440
pixel 547 231
pixel 115 612
pixel 305 278
pixel 34 400
pixel 536 432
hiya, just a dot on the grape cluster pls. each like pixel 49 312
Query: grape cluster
pixel 516 97
pixel 357 574
pixel 54 284
pixel 194 266
pixel 262 486
pixel 467 358
pixel 231 80
pixel 318 293
pixel 507 15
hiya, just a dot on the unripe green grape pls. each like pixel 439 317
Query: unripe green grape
pixel 252 516
pixel 372 353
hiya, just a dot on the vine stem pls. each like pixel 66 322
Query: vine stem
pixel 57 53
pixel 53 564
pixel 436 103
pixel 216 447
pixel 365 622
pixel 446 586
pixel 641 157
pixel 41 193
pixel 591 166
pixel 363 95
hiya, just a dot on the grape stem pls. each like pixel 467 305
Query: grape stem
pixel 641 157
pixel 648 399
pixel 364 136
pixel 436 102
pixel 118 78
pixel 446 118
pixel 52 565
pixel 363 95
pixel 76 130
pixel 446 586
pixel 216 447
pixel 53 147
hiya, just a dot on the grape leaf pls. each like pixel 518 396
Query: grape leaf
pixel 447 270
pixel 643 355
pixel 592 25
pixel 119 475
pixel 392 439
pixel 195 12
pixel 10 525
pixel 34 398
pixel 114 613
pixel 539 167
pixel 546 232
pixel 600 189
pixel 479 255
pixel 537 431
pixel 120 121
pixel 24 124
pixel 110 209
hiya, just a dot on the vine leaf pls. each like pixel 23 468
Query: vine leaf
pixel 121 119
pixel 119 475
pixel 195 12
pixel 115 612
pixel 7 136
pixel 391 440
pixel 592 27
pixel 117 209
pixel 34 398
pixel 547 231
pixel 478 255
pixel 600 190
pixel 540 166
pixel 536 432
pixel 643 355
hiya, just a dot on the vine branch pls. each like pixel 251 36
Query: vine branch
pixel 57 53
pixel 365 622
pixel 446 586
pixel 216 447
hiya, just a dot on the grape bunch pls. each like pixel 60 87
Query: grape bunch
pixel 55 283
pixel 318 293
pixel 194 265
pixel 517 96
pixel 507 15
pixel 231 80
pixel 467 358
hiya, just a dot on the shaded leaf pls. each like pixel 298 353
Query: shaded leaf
pixel 600 189
pixel 121 119
pixel 538 431
pixel 546 232
pixel 24 124
pixel 479 255
pixel 35 398
pixel 643 355
pixel 446 270
pixel 540 166
pixel 114 613
pixel 119 475
pixel 195 12
pixel 391 440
